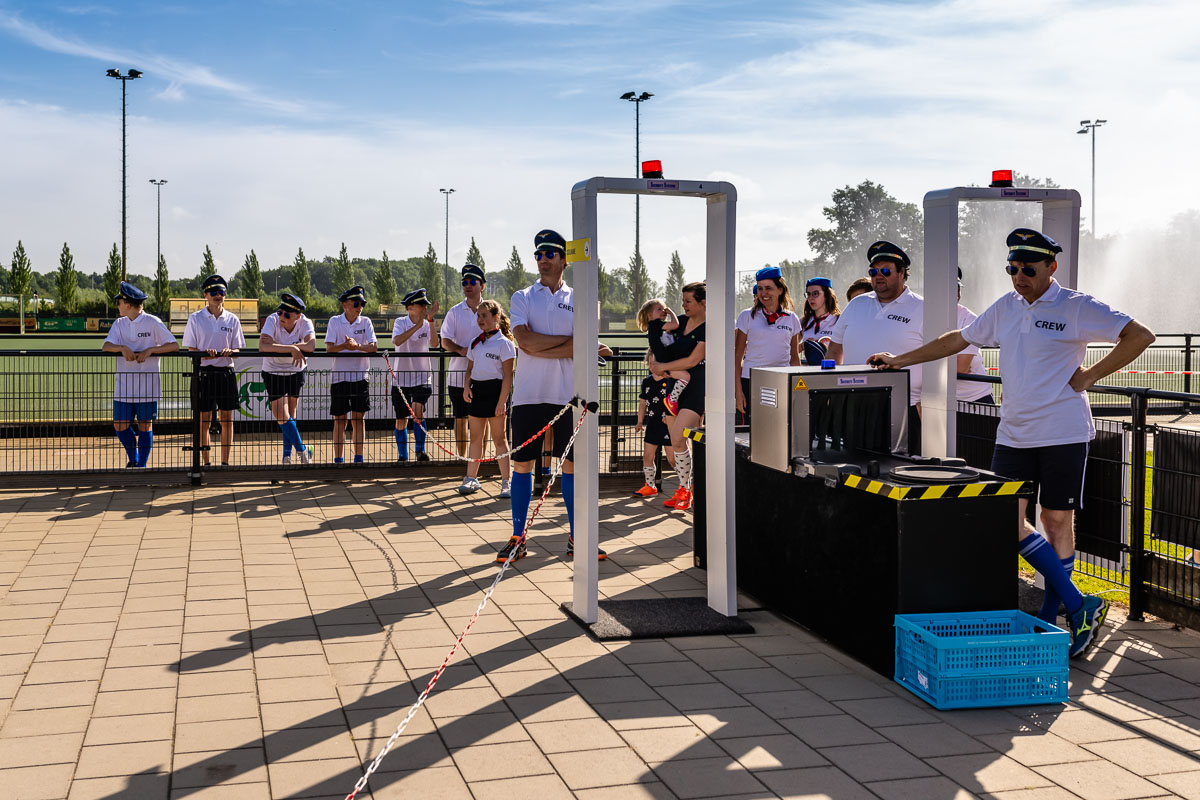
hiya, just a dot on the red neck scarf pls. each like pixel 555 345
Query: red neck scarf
pixel 772 318
pixel 483 337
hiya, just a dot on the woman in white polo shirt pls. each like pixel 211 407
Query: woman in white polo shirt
pixel 818 319
pixel 768 334
pixel 491 357
pixel 289 337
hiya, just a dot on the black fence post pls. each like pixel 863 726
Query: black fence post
pixel 1187 369
pixel 196 475
pixel 1137 510
pixel 615 419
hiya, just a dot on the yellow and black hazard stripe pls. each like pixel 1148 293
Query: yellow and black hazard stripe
pixel 940 491
pixel 695 436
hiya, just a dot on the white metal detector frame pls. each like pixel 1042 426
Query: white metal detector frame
pixel 721 199
pixel 1060 221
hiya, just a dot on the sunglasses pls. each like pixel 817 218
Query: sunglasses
pixel 546 254
pixel 884 271
pixel 1027 271
pixel 356 303
pixel 216 292
pixel 470 282
pixel 285 314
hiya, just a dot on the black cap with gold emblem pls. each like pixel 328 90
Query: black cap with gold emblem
pixel 1029 246
pixel 886 251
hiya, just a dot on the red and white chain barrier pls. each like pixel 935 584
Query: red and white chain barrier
pixel 416 706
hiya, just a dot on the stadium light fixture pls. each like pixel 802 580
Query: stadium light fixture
pixel 1088 126
pixel 637 100
pixel 132 74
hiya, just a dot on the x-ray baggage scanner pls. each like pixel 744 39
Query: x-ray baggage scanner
pixel 1060 221
pixel 583 252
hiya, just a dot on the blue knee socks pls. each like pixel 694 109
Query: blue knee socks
pixel 286 433
pixel 1051 601
pixel 1038 552
pixel 401 435
pixel 522 494
pixel 419 435
pixel 129 440
pixel 294 433
pixel 145 440
pixel 568 491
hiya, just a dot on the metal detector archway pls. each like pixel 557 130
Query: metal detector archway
pixel 721 198
pixel 1060 220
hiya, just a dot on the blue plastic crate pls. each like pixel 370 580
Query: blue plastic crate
pixel 981 659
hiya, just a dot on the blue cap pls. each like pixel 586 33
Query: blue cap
pixel 130 292
pixel 289 302
pixel 353 293
pixel 213 282
pixel 1028 245
pixel 416 297
pixel 828 284
pixel 814 352
pixel 768 272
pixel 549 240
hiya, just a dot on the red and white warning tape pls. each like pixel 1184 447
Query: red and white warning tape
pixel 416 706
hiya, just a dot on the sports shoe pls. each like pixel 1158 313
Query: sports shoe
pixel 1085 625
pixel 507 550
pixel 685 502
pixel 671 405
pixel 600 554
pixel 401 459
pixel 305 455
pixel 469 486
pixel 287 459
pixel 506 488
pixel 675 498
pixel 423 456
pixel 545 470
pixel 647 491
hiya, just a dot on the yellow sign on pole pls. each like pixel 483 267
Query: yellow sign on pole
pixel 579 250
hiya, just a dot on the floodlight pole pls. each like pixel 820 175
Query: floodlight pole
pixel 637 100
pixel 131 75
pixel 446 252
pixel 158 184
pixel 1086 126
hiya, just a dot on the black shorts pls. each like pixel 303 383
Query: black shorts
pixel 218 389
pixel 347 396
pixel 485 396
pixel 692 396
pixel 529 419
pixel 1056 471
pixel 285 384
pixel 743 418
pixel 656 432
pixel 457 404
pixel 914 431
pixel 415 394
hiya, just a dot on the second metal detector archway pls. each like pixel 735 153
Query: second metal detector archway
pixel 1060 221
pixel 721 198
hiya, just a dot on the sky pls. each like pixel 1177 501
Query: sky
pixel 281 125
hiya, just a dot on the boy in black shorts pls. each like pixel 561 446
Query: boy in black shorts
pixel 652 412
pixel 350 332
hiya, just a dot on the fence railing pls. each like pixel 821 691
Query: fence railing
pixel 57 415
pixel 1139 525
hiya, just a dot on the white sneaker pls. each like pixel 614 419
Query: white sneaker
pixel 506 488
pixel 469 486
pixel 287 459
pixel 305 455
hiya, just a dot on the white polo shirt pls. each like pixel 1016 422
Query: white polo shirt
pixel 1041 345
pixel 487 359
pixel 414 370
pixel 820 328
pixel 461 327
pixel 206 332
pixel 278 364
pixel 968 391
pixel 867 326
pixel 767 345
pixel 138 383
pixel 362 331
pixel 544 380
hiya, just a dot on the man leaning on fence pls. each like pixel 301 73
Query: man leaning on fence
pixel 138 337
pixel 1043 331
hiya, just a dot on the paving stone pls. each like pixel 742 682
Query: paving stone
pixel 38 783
pixel 920 789
pixel 934 739
pixel 876 762
pixel 426 784
pixel 816 783
pixel 782 751
pixel 114 760
pixel 543 787
pixel 1036 749
pixel 1084 727
pixel 885 711
pixel 1099 780
pixel 495 761
pixel 707 777
pixel 565 735
pixel 1184 784
pixel 989 773
pixel 730 723
pixel 1144 757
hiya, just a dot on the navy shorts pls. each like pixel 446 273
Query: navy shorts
pixel 218 389
pixel 127 411
pixel 415 395
pixel 1056 471
pixel 529 419
pixel 461 408
pixel 485 396
pixel 347 396
pixel 283 384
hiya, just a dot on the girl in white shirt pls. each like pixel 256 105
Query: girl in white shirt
pixel 486 387
pixel 820 314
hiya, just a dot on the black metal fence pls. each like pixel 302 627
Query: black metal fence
pixel 57 418
pixel 1139 526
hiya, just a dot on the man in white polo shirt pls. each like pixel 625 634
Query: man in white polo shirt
pixel 459 329
pixel 350 332
pixel 1043 331
pixel 140 338
pixel 218 333
pixel 890 317
pixel 543 320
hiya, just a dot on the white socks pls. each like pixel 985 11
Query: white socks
pixel 683 468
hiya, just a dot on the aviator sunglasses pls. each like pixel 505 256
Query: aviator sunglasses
pixel 470 282
pixel 216 292
pixel 1026 270
pixel 546 254
pixel 884 271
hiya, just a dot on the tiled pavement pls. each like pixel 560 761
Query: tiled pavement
pixel 262 641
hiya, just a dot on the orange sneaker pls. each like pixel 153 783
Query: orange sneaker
pixel 685 502
pixel 647 491
pixel 675 498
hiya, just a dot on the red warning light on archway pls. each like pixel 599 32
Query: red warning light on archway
pixel 653 169
pixel 1002 178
